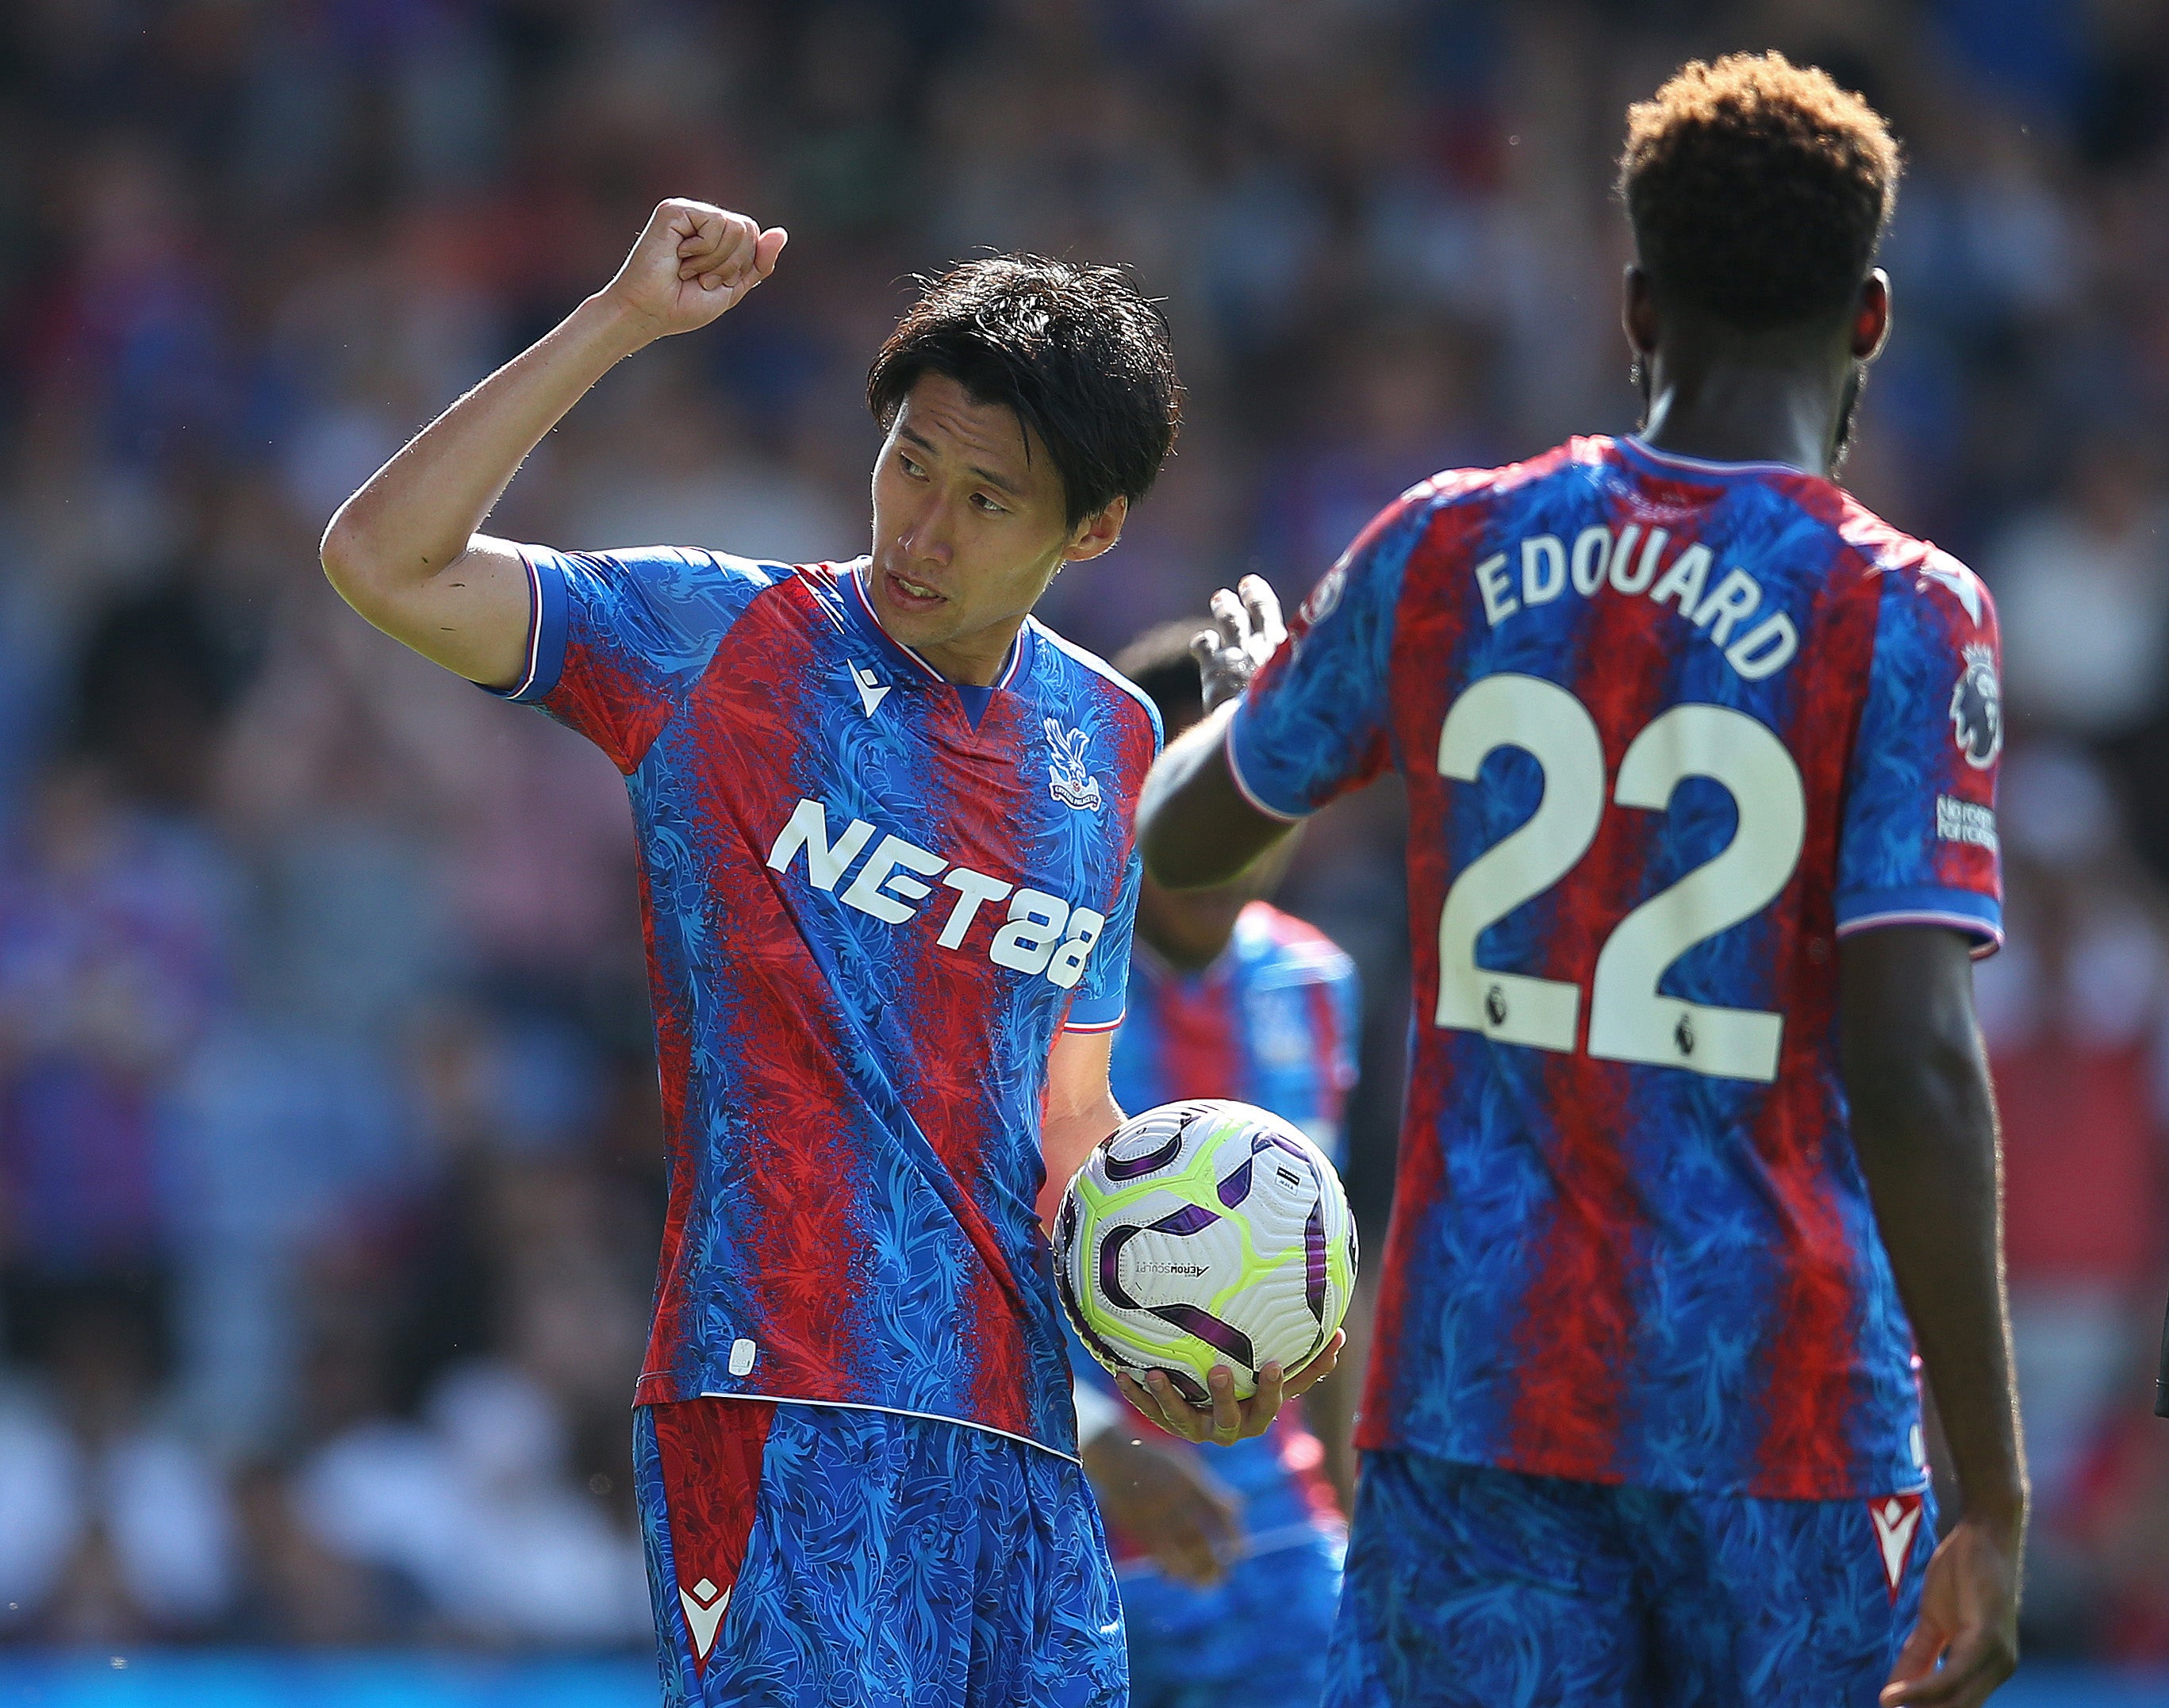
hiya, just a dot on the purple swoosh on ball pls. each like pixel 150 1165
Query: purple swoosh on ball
pixel 1237 1186
pixel 1220 1336
pixel 1093 1343
pixel 1277 1141
pixel 1158 1157
pixel 1313 1257
pixel 1110 1267
pixel 1191 1218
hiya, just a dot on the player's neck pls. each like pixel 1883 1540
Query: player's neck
pixel 1725 397
pixel 1745 417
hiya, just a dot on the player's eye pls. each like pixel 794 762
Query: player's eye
pixel 910 468
pixel 988 506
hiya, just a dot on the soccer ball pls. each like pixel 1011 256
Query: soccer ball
pixel 1205 1233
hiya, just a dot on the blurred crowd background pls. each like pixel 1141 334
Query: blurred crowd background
pixel 329 1173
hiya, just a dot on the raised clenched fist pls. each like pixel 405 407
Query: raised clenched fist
pixel 691 263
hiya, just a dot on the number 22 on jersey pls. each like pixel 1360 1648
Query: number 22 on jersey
pixel 1629 1020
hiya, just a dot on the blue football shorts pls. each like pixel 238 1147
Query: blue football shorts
pixel 805 1555
pixel 1470 1585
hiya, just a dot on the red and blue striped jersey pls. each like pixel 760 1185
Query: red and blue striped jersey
pixel 871 898
pixel 1670 729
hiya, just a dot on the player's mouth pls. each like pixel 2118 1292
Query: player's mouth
pixel 909 595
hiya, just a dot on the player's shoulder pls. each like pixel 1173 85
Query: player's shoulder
pixel 689 569
pixel 1581 461
pixel 1859 558
pixel 1067 678
pixel 1431 520
pixel 1277 946
pixel 1882 564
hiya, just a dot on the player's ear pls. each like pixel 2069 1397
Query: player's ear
pixel 1871 317
pixel 1638 311
pixel 1096 533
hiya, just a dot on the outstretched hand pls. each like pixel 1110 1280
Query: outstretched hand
pixel 1228 1419
pixel 1246 631
pixel 691 263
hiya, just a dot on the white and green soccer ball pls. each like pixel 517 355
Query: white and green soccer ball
pixel 1204 1233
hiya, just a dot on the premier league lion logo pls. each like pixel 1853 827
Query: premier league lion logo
pixel 1977 709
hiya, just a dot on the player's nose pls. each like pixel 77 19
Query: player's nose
pixel 926 536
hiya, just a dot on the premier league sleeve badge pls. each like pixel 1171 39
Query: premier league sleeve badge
pixel 1977 708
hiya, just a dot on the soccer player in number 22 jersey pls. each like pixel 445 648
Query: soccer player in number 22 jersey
pixel 888 882
pixel 1700 758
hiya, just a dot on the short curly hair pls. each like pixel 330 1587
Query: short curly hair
pixel 1758 190
pixel 1078 352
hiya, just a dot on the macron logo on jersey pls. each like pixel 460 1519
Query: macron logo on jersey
pixel 1041 934
pixel 872 690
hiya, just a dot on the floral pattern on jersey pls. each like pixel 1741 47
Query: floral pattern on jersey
pixel 1615 1269
pixel 851 1105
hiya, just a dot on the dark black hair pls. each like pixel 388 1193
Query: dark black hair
pixel 1159 661
pixel 1080 356
pixel 1758 190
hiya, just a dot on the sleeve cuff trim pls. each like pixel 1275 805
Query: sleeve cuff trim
pixel 1095 1025
pixel 546 635
pixel 1978 916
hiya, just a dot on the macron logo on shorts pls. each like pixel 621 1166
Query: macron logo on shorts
pixel 1897 1520
pixel 704 1604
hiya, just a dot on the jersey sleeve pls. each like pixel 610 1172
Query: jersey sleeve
pixel 1917 844
pixel 616 638
pixel 1102 993
pixel 1312 724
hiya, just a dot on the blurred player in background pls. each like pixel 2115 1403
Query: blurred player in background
pixel 887 881
pixel 1230 1573
pixel 1699 1146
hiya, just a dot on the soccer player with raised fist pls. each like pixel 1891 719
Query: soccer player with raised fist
pixel 1698 1171
pixel 887 880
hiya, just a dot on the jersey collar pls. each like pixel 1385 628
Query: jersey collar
pixel 1633 443
pixel 862 610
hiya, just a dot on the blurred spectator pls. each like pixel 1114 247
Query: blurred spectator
pixel 478 1509
pixel 113 1527
pixel 115 951
pixel 2115 1539
pixel 2075 1012
pixel 2082 586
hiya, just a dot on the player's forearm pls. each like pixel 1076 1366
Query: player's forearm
pixel 1194 826
pixel 1924 1125
pixel 1067 1136
pixel 416 515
